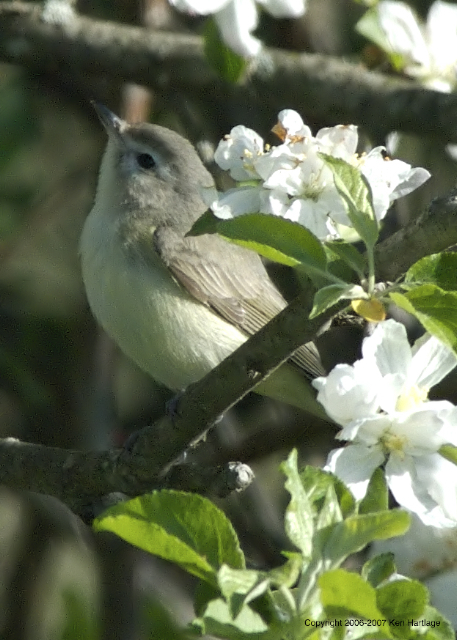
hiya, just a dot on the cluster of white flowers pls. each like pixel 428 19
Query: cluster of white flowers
pixel 428 51
pixel 292 180
pixel 237 19
pixel 381 403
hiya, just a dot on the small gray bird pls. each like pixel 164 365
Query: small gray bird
pixel 176 305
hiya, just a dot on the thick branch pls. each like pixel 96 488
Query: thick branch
pixel 433 231
pixel 314 84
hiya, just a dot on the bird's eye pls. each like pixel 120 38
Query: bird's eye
pixel 145 161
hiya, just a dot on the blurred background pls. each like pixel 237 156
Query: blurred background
pixel 62 383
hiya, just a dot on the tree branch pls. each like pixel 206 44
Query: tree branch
pixel 433 231
pixel 318 85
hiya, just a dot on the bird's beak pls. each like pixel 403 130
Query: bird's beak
pixel 112 123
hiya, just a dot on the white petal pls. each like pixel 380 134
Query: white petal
pixel 203 7
pixel 280 157
pixel 274 201
pixel 425 429
pixel 354 465
pixel 389 179
pixel 349 392
pixel 293 123
pixel 287 180
pixel 390 388
pixel 432 361
pixel 368 431
pixel 389 347
pixel 309 214
pixel 402 30
pixel 411 492
pixel 448 415
pixel 284 8
pixel 330 200
pixel 409 179
pixel 340 141
pixel 236 202
pixel 442 34
pixel 440 477
pixel 236 21
pixel 237 152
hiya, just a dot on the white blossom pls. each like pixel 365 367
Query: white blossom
pixel 428 51
pixel 237 19
pixel 389 179
pixel 293 181
pixel 237 151
pixel 381 403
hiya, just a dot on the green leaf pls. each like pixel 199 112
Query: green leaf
pixel 203 594
pixel 241 586
pixel 333 293
pixel 327 508
pixel 217 620
pixel 376 497
pixel 438 628
pixel 379 568
pixel 284 603
pixel 449 452
pixel 330 512
pixel 435 309
pixel 346 594
pixel 228 64
pixel 299 513
pixel 439 269
pixel 274 238
pixel 317 482
pixel 238 580
pixel 183 528
pixel 357 199
pixel 287 574
pixel 349 254
pixel 402 600
pixel 207 223
pixel 354 533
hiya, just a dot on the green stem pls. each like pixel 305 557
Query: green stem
pixel 371 273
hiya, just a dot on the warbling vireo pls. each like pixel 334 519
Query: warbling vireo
pixel 176 305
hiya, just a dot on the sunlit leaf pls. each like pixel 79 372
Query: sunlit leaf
pixel 184 528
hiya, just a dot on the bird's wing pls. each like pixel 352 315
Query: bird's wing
pixel 230 280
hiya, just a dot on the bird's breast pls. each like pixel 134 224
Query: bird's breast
pixel 171 336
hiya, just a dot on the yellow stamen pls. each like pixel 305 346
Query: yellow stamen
pixel 392 442
pixel 411 398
